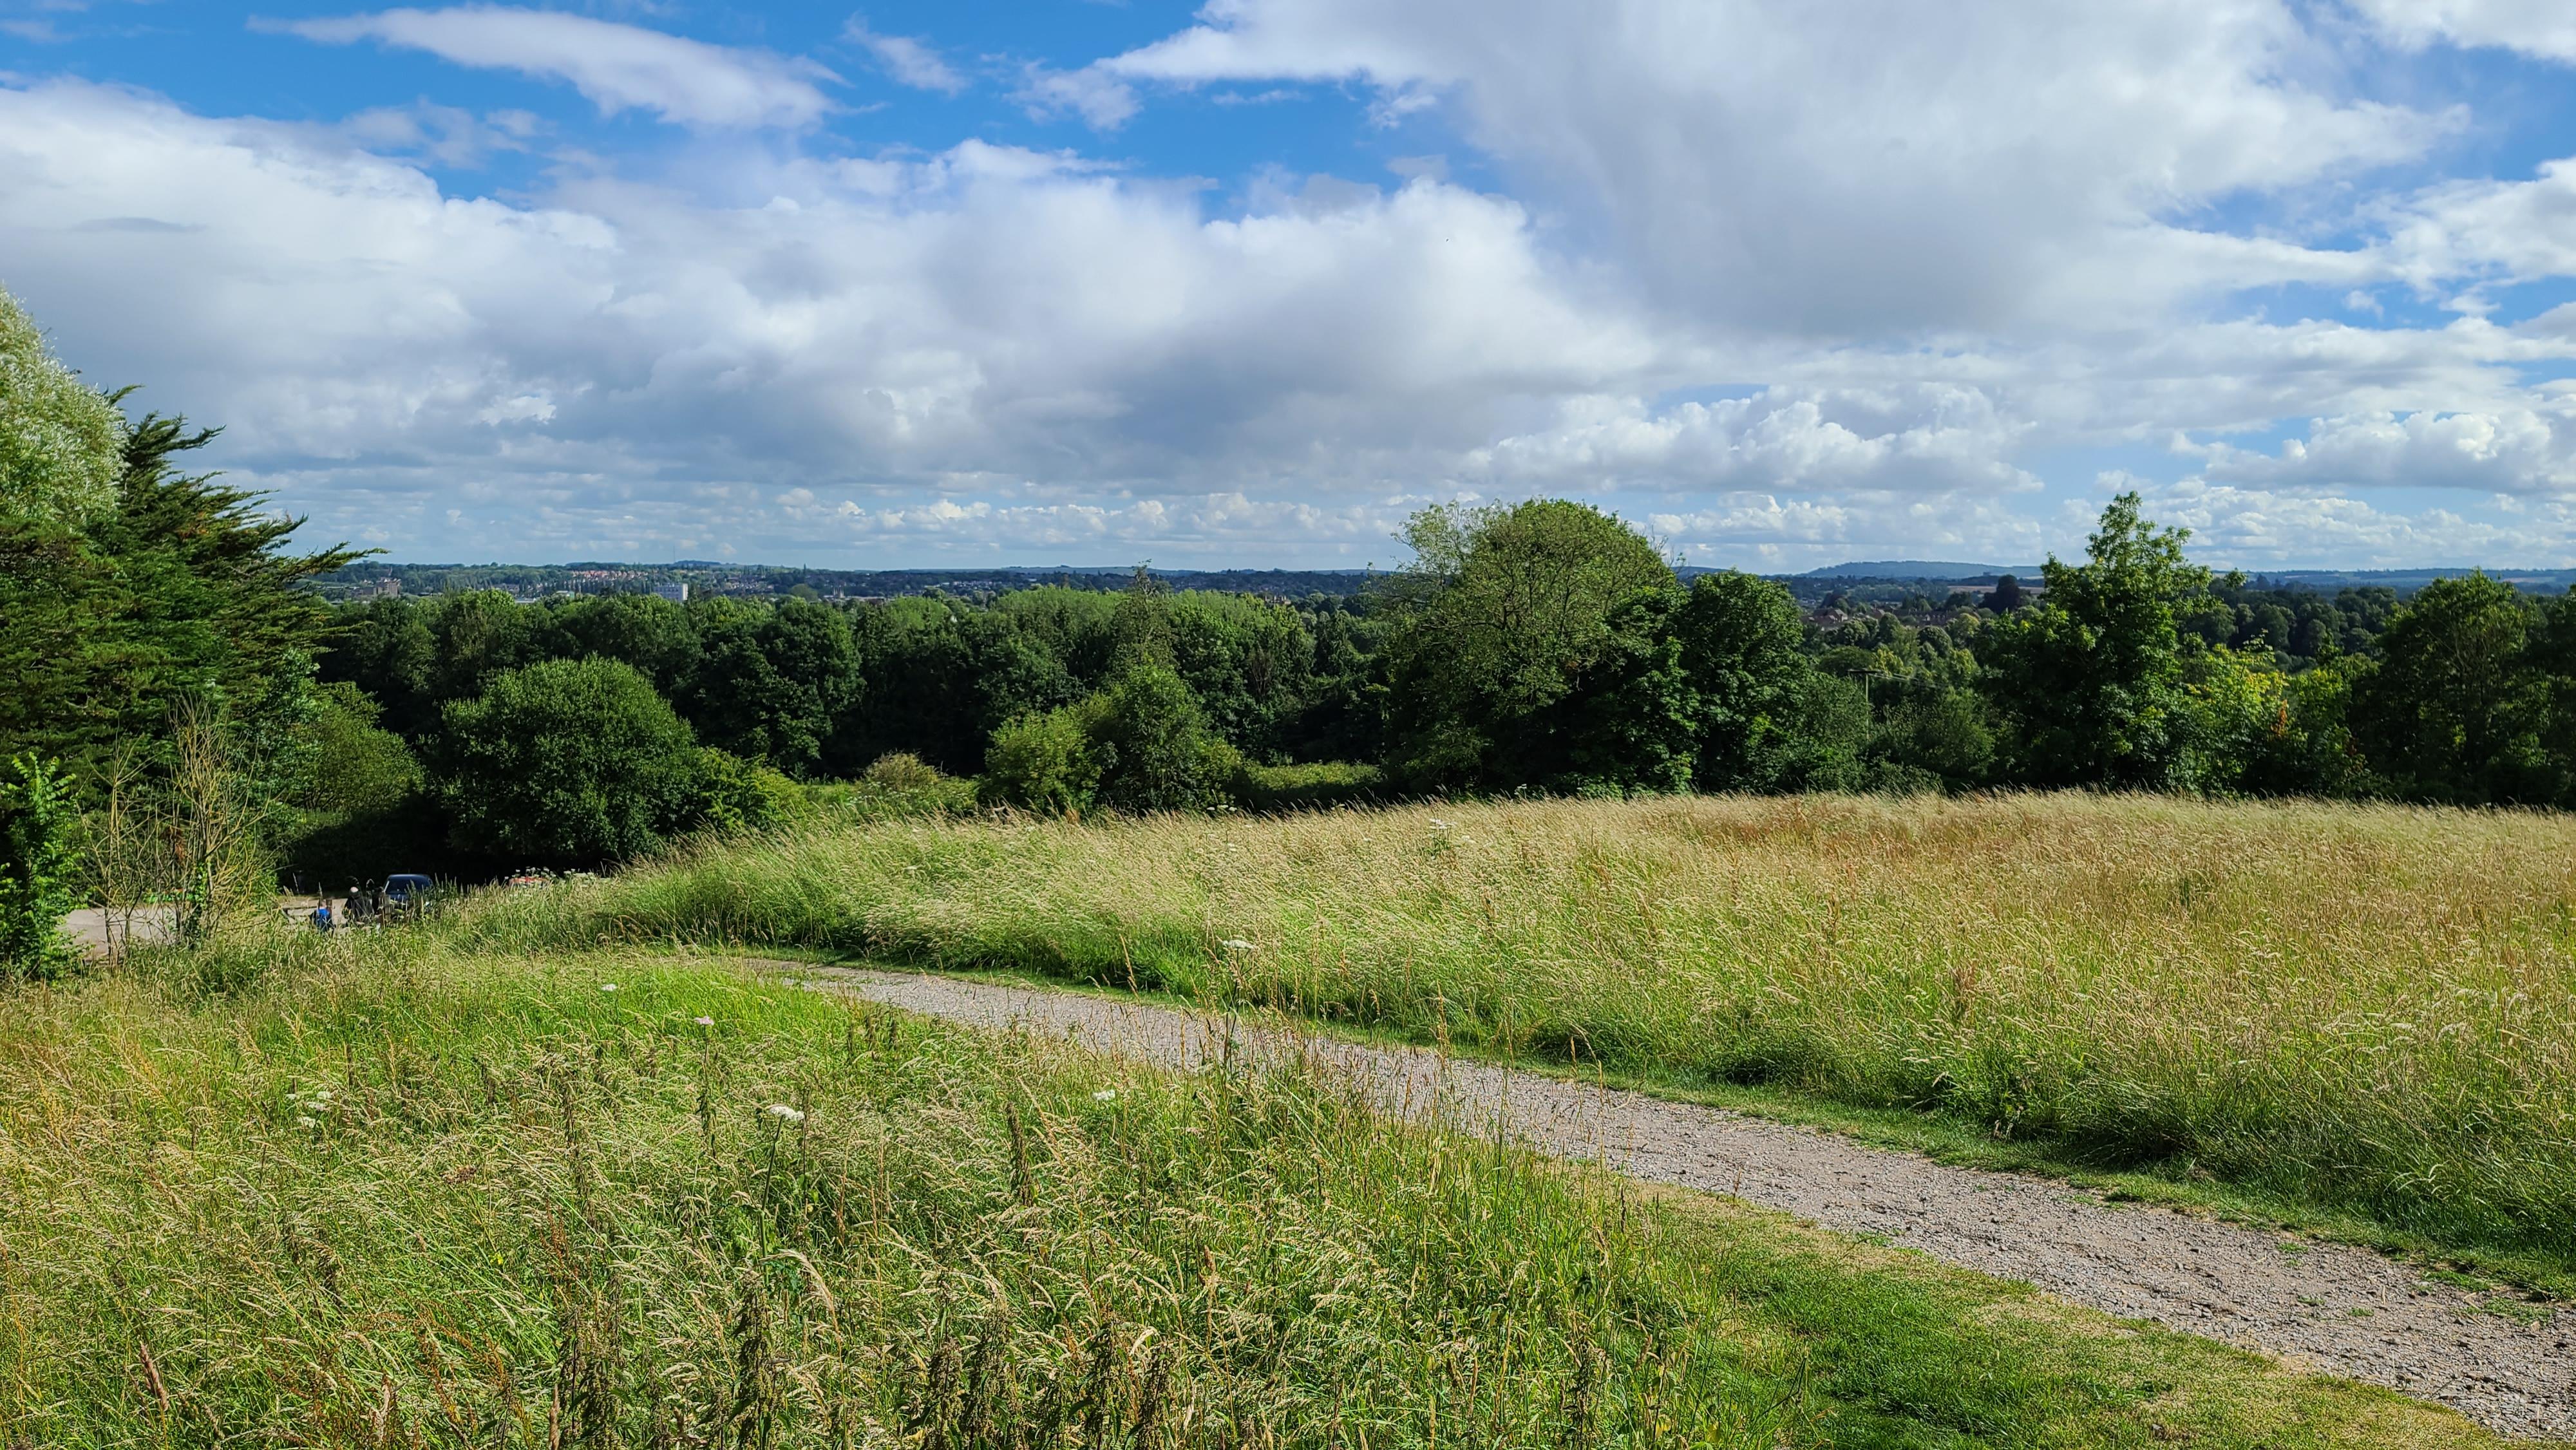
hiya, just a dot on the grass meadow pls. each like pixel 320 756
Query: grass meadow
pixel 2367 1012
pixel 390 1192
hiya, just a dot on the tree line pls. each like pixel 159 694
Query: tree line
pixel 165 661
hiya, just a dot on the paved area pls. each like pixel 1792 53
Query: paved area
pixel 2343 1310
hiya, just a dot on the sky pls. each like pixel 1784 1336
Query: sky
pixel 1783 282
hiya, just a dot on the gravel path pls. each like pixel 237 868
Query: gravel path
pixel 2343 1310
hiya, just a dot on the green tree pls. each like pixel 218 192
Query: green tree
pixel 1508 613
pixel 653 634
pixel 37 865
pixel 1743 648
pixel 1154 746
pixel 2458 706
pixel 356 765
pixel 567 763
pixel 1043 761
pixel 182 593
pixel 62 444
pixel 772 682
pixel 2092 680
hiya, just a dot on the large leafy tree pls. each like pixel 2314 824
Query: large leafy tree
pixel 1508 618
pixel 2093 680
pixel 567 763
pixel 61 443
pixel 1743 646
pixel 771 683
pixel 2458 707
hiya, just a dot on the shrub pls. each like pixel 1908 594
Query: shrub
pixel 36 871
pixel 568 763
pixel 1156 749
pixel 734 794
pixel 903 771
pixel 1043 762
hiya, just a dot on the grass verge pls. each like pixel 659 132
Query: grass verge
pixel 385 1193
pixel 2362 1013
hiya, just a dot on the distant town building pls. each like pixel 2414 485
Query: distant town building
pixel 676 593
pixel 388 588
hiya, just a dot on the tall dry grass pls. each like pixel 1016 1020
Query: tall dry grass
pixel 2362 1007
pixel 376 1194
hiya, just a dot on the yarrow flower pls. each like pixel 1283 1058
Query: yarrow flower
pixel 785 1114
pixel 1105 1095
pixel 608 986
pixel 304 1122
pixel 1235 944
pixel 704 1021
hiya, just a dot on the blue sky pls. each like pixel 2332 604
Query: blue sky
pixel 1786 281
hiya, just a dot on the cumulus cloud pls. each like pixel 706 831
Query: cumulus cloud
pixel 2480 230
pixel 2255 527
pixel 2528 450
pixel 1100 98
pixel 617 67
pixel 1867 167
pixel 1923 438
pixel 910 61
pixel 1794 279
pixel 2545 28
pixel 1005 317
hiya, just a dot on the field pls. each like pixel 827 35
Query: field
pixel 394 1192
pixel 2366 1015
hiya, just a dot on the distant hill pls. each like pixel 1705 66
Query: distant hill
pixel 1920 569
pixel 2404 581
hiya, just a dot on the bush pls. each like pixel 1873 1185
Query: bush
pixel 568 763
pixel 36 871
pixel 1142 745
pixel 1156 751
pixel 734 794
pixel 903 772
pixel 1043 762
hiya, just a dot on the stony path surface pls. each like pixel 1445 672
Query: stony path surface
pixel 2343 1310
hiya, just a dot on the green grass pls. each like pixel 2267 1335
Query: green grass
pixel 2362 1016
pixel 382 1193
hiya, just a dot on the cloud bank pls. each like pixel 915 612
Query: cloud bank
pixel 1789 281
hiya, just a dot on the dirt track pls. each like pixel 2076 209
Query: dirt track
pixel 2343 1310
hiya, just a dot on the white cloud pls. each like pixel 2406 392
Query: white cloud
pixel 910 61
pixel 1102 100
pixel 1907 262
pixel 2479 230
pixel 1924 439
pixel 2253 528
pixel 2545 28
pixel 2527 450
pixel 1042 330
pixel 1866 168
pixel 618 67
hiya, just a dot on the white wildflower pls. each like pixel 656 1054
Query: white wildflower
pixel 608 986
pixel 704 1021
pixel 1105 1095
pixel 1439 825
pixel 304 1122
pixel 1235 944
pixel 785 1114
